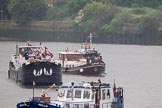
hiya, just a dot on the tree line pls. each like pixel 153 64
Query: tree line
pixel 119 17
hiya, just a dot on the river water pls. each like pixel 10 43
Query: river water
pixel 138 69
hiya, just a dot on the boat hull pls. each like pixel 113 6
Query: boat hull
pixel 42 73
pixel 94 69
pixel 35 104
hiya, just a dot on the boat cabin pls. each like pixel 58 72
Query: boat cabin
pixel 85 47
pixel 71 59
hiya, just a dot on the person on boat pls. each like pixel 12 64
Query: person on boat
pixel 44 93
pixel 67 49
pixel 88 60
pixel 30 51
pixel 30 54
pixel 37 54
pixel 48 53
pixel 25 54
pixel 29 44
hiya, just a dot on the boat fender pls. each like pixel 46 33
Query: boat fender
pixel 81 70
pixel 9 74
pixel 90 61
pixel 95 69
pixel 86 84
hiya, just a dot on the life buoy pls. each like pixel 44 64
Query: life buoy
pixel 81 70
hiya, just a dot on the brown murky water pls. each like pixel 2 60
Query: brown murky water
pixel 138 69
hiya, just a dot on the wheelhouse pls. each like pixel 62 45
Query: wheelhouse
pixel 71 59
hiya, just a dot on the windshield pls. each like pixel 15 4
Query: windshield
pixel 77 93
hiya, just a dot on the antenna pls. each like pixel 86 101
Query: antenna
pixel 33 88
pixel 90 40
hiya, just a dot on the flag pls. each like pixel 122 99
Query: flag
pixel 114 89
pixel 33 83
pixel 29 44
pixel 33 88
pixel 48 52
pixel 67 49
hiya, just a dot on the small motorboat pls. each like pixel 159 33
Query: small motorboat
pixel 38 102
pixel 35 104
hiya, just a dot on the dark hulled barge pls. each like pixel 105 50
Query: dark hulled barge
pixel 34 63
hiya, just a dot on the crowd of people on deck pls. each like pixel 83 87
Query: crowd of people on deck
pixel 35 53
pixel 93 56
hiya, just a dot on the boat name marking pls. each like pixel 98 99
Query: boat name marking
pixel 42 71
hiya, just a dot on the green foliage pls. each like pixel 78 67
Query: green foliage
pixel 114 26
pixel 159 7
pixel 26 10
pixel 3 3
pixel 73 6
pixel 98 13
pixel 130 3
pixel 58 11
pixel 135 5
pixel 138 11
pixel 38 8
pixel 4 13
pixel 11 4
pixel 90 26
pixel 133 16
pixel 149 24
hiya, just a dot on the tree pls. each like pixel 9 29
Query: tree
pixel 115 25
pixel 26 10
pixel 97 15
pixel 4 13
pixel 149 24
pixel 74 6
pixel 129 3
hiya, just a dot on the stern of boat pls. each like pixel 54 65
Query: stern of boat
pixel 42 73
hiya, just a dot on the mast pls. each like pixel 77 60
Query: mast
pixel 90 40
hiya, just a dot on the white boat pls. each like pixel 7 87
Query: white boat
pixel 82 95
pixel 90 95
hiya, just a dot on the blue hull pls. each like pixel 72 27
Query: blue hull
pixel 35 104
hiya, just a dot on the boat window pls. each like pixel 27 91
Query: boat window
pixel 108 93
pixel 103 94
pixel 61 93
pixel 69 93
pixel 93 94
pixel 86 94
pixel 73 57
pixel 66 65
pixel 77 93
